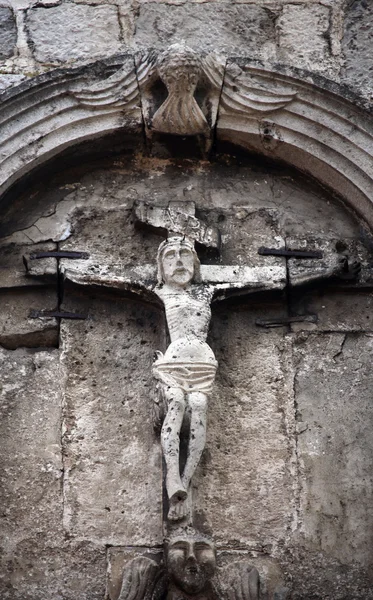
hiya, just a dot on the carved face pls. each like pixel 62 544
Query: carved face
pixel 178 265
pixel 191 564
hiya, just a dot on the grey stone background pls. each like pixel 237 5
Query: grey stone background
pixel 286 476
pixel 331 37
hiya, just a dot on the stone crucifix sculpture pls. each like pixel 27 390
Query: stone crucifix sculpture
pixel 186 370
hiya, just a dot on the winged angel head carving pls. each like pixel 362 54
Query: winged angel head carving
pixel 189 572
pixel 183 73
pixel 180 68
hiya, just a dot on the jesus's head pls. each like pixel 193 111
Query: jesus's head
pixel 178 263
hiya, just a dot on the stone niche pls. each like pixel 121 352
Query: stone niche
pixel 285 481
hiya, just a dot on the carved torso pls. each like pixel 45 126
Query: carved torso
pixel 188 363
pixel 188 312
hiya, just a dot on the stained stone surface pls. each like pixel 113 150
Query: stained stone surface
pixel 334 412
pixel 335 310
pixel 31 447
pixel 248 454
pixel 112 456
pixel 17 328
pixel 239 29
pixel 38 571
pixel 357 46
pixel 8 32
pixel 12 267
pixel 36 561
pixel 261 491
pixel 71 32
pixel 303 34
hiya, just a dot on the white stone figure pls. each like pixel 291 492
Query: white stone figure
pixel 186 371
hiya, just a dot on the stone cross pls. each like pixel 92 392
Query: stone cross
pixel 185 372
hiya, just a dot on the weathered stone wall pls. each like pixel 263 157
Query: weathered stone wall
pixel 331 37
pixel 286 476
pixel 285 480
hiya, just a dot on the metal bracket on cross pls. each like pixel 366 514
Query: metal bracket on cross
pixel 178 218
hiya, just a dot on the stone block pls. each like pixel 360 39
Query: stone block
pixel 303 36
pixel 248 453
pixel 357 46
pixel 133 247
pixel 335 441
pixel 113 475
pixel 17 328
pixel 335 309
pixel 73 32
pixel 8 32
pixel 13 272
pixel 239 30
pixel 34 570
pixel 31 467
pixel 244 229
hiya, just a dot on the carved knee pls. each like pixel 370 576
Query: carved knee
pixel 198 401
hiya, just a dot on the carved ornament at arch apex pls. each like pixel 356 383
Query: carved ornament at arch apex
pixel 281 113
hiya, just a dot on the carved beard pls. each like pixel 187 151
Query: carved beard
pixel 192 581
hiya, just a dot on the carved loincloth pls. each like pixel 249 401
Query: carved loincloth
pixel 189 364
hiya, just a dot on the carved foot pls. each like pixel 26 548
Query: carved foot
pixel 178 509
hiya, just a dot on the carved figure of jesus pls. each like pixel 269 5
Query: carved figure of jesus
pixel 186 370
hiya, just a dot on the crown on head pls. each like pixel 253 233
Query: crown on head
pixel 178 241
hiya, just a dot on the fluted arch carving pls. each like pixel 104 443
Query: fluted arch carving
pixel 316 127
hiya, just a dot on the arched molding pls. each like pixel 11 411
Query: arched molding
pixel 315 126
pixel 44 116
pixel 316 129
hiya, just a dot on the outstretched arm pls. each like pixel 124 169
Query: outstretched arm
pixel 138 280
pixel 84 271
pixel 239 279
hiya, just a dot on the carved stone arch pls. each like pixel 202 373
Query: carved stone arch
pixel 313 126
pixel 310 123
pixel 317 127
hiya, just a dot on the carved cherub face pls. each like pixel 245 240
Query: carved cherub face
pixel 191 563
pixel 177 261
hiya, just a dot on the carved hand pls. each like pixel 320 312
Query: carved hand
pixel 345 270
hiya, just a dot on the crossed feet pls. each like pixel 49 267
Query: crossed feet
pixel 178 505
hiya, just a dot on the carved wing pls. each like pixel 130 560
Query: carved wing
pixel 213 69
pixel 143 579
pixel 118 90
pixel 146 66
pixel 239 581
pixel 252 93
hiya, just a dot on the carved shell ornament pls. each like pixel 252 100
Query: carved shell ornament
pixel 180 69
pixel 186 75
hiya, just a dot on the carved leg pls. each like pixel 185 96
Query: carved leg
pixel 197 437
pixel 170 437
